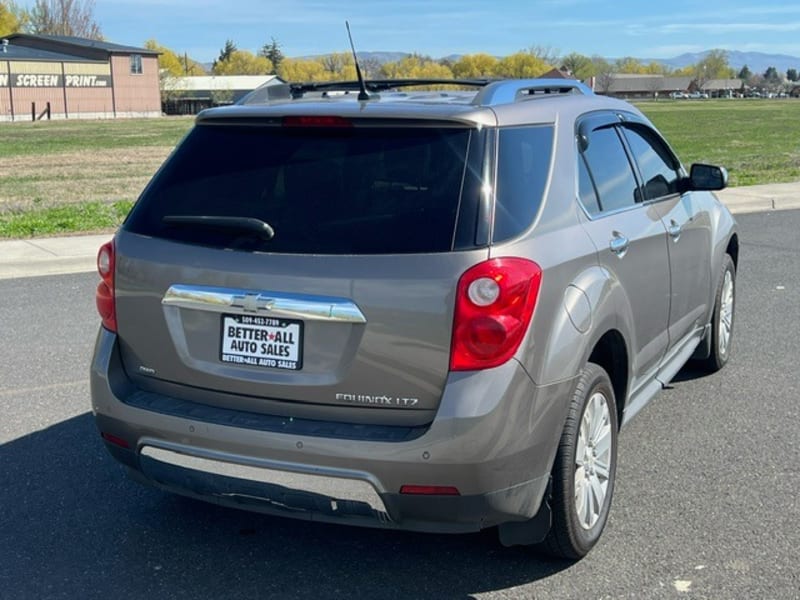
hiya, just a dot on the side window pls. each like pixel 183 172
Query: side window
pixel 614 183
pixel 522 169
pixel 659 168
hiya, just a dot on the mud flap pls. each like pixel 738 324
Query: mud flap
pixel 532 531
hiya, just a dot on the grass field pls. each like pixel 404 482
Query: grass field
pixel 758 141
pixel 79 176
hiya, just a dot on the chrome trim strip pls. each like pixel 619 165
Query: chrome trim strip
pixel 338 484
pixel 253 302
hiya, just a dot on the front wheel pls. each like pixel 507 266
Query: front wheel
pixel 584 468
pixel 722 318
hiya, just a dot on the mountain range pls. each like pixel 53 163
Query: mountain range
pixel 757 62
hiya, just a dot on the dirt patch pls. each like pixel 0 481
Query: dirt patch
pixel 109 175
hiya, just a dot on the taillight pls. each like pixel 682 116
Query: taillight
pixel 494 305
pixel 105 289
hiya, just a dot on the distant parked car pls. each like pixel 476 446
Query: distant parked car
pixel 410 310
pixel 677 95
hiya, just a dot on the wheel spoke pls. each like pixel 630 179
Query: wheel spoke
pixel 602 469
pixel 602 442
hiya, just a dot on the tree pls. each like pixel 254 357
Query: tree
pixel 370 67
pixel 337 65
pixel 522 65
pixel 546 54
pixel 273 53
pixel 64 17
pixel 744 74
pixel 242 62
pixel 629 66
pixel 713 66
pixel 302 70
pixel 12 18
pixel 225 53
pixel 416 66
pixel 473 66
pixel 791 75
pixel 772 79
pixel 603 74
pixel 579 65
pixel 171 64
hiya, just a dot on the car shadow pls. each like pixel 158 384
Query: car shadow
pixel 690 372
pixel 74 526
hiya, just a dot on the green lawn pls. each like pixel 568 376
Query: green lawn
pixel 53 137
pixel 757 140
pixel 77 176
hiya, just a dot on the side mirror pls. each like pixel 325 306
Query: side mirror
pixel 706 178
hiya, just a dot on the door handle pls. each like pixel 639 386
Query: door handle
pixel 619 244
pixel 674 230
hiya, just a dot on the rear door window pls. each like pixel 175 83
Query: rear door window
pixel 353 190
pixel 611 184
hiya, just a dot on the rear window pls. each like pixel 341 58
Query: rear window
pixel 355 190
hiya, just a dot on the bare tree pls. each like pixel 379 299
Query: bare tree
pixel 65 17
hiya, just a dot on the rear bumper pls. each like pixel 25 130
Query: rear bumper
pixel 494 439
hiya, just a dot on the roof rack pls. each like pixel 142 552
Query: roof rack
pixel 295 91
pixel 493 91
pixel 509 91
pixel 377 85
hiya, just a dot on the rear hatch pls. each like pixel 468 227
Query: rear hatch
pixel 302 267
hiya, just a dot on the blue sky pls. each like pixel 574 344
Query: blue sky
pixel 639 28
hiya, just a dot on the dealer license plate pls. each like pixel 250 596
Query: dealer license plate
pixel 262 342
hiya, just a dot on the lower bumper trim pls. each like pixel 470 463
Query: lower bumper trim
pixel 339 495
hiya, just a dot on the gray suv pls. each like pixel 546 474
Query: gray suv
pixel 428 311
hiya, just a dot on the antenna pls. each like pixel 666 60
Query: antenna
pixel 362 94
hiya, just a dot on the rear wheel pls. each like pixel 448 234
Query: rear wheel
pixel 722 319
pixel 584 469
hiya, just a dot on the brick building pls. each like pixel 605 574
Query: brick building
pixel 67 77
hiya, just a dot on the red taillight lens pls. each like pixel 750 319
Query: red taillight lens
pixel 494 305
pixel 104 297
pixel 429 490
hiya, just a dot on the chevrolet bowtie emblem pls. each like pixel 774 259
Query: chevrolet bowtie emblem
pixel 253 302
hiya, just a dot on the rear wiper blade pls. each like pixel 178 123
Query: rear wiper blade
pixel 252 225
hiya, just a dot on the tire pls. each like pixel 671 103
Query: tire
pixel 584 468
pixel 722 319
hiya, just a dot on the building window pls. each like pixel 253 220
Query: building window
pixel 136 64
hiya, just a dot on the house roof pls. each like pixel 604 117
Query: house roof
pixel 74 47
pixel 722 84
pixel 15 52
pixel 622 83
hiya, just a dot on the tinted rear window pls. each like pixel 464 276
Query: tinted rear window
pixel 322 190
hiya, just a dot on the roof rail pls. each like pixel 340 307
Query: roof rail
pixel 510 90
pixel 377 85
pixel 298 90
